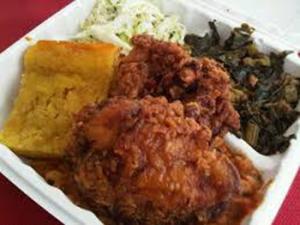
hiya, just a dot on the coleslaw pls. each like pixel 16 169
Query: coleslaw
pixel 116 21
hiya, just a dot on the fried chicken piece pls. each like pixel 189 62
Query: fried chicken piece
pixel 142 162
pixel 160 68
pixel 252 187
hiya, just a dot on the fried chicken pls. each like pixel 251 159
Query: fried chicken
pixel 252 187
pixel 160 68
pixel 143 162
pixel 153 154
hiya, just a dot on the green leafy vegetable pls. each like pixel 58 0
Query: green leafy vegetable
pixel 263 94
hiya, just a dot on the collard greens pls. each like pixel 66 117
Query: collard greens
pixel 264 95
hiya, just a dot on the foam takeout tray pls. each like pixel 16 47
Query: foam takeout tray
pixel 195 16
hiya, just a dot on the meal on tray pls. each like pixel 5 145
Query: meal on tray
pixel 128 118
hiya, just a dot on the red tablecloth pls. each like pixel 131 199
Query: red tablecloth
pixel 17 17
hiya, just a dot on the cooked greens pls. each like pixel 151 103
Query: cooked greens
pixel 264 95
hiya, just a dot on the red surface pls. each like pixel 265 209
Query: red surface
pixel 17 17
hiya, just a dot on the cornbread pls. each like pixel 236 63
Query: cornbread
pixel 60 78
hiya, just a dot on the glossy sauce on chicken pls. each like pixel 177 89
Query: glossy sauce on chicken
pixel 153 153
pixel 153 166
pixel 166 69
pixel 238 206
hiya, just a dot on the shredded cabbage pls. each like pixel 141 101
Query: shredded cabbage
pixel 116 21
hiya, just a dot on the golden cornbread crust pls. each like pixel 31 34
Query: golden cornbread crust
pixel 60 78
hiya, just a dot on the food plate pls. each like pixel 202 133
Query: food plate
pixel 195 16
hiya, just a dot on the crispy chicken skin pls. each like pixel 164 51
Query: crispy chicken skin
pixel 153 154
pixel 143 162
pixel 160 68
pixel 252 187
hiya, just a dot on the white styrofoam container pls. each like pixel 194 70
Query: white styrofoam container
pixel 195 15
pixel 281 18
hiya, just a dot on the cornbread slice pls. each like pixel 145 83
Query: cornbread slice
pixel 60 78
